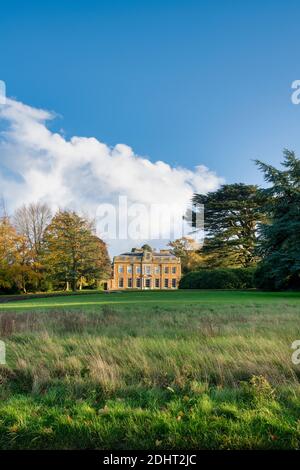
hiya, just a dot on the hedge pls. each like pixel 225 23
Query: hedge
pixel 219 278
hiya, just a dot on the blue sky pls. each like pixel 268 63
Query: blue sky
pixel 186 82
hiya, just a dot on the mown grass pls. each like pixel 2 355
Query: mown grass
pixel 129 376
pixel 88 301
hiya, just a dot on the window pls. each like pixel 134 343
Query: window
pixel 166 270
pixel 138 283
pixel 173 269
pixel 121 282
pixel 129 282
pixel 147 269
pixel 129 269
pixel 138 270
pixel 174 283
pixel 157 283
pixel 166 283
pixel 157 270
pixel 148 283
pixel 120 268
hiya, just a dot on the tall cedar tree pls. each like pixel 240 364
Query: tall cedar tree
pixel 279 240
pixel 73 251
pixel 231 217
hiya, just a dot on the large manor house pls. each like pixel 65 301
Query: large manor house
pixel 142 269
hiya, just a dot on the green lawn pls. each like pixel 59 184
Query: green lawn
pixel 164 370
pixel 157 298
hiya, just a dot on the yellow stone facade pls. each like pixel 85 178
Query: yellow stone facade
pixel 145 270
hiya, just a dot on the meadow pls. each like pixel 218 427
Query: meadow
pixel 146 370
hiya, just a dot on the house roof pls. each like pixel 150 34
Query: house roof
pixel 140 254
pixel 153 254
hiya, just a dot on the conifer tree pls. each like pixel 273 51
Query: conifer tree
pixel 279 241
pixel 231 216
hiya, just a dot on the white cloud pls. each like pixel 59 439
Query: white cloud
pixel 81 173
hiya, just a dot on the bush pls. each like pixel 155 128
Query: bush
pixel 225 278
pixel 270 277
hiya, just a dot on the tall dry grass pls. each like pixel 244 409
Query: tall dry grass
pixel 150 377
pixel 141 346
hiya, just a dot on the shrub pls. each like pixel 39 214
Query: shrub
pixel 225 278
pixel 269 278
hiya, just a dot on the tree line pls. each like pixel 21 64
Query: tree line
pixel 251 227
pixel 40 252
pixel 246 227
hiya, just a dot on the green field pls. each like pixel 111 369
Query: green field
pixel 162 370
pixel 184 297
